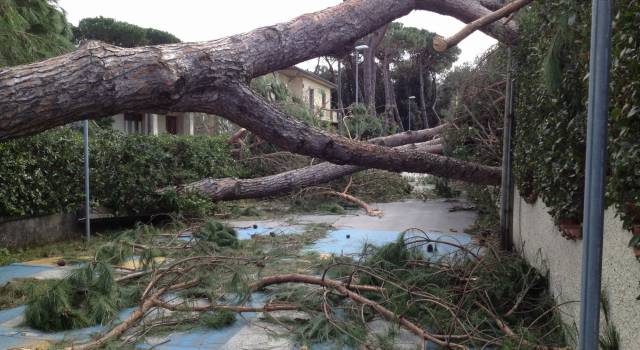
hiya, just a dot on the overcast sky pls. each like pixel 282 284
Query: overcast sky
pixel 198 20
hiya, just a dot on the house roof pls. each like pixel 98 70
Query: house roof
pixel 295 71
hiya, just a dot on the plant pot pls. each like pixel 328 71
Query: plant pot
pixel 570 229
pixel 635 229
pixel 636 251
pixel 531 198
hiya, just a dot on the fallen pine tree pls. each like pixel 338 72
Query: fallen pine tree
pixel 211 77
pixel 289 181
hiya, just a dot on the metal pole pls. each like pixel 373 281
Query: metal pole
pixel 87 204
pixel 339 104
pixel 506 188
pixel 357 87
pixel 409 114
pixel 595 174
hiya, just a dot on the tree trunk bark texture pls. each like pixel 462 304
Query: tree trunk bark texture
pixel 279 184
pixel 211 77
pixel 423 103
pixel 369 76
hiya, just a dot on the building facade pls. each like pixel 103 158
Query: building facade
pixel 312 89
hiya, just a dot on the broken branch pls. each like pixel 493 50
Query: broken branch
pixel 441 44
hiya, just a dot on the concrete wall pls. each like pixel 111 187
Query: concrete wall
pixel 17 233
pixel 538 239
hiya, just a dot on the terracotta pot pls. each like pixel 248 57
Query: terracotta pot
pixel 570 229
pixel 635 229
pixel 531 198
pixel 636 251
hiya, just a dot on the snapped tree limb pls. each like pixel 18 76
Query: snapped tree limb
pixel 282 183
pixel 441 44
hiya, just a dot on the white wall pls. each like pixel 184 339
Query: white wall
pixel 536 236
pixel 118 122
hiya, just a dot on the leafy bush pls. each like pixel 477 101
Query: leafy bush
pixel 43 174
pixel 552 67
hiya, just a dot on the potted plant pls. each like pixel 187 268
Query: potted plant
pixel 634 244
pixel 570 229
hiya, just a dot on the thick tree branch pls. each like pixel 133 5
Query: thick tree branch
pixel 442 44
pixel 247 109
pixel 278 184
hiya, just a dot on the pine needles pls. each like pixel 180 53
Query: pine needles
pixel 32 30
pixel 89 296
pixel 219 234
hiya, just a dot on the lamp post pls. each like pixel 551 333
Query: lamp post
pixel 358 48
pixel 411 98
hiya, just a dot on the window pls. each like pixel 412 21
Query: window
pixel 311 99
pixel 133 123
pixel 172 125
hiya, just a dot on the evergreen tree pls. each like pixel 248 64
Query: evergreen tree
pixel 120 33
pixel 32 30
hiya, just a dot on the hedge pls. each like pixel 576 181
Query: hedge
pixel 552 65
pixel 43 174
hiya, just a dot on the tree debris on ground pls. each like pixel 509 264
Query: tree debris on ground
pixel 464 301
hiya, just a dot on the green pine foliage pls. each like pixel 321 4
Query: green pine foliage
pixel 218 233
pixel 89 296
pixel 120 33
pixel 32 30
pixel 218 319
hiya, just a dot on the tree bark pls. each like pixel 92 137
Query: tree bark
pixel 390 105
pixel 423 103
pixel 369 70
pixel 442 44
pixel 100 80
pixel 289 181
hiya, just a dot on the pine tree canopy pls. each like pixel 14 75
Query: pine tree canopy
pixel 32 30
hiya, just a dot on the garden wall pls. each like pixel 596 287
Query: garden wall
pixel 539 240
pixel 23 232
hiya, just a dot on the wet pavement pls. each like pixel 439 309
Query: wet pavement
pixel 348 235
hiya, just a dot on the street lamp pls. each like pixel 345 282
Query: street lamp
pixel 358 48
pixel 411 98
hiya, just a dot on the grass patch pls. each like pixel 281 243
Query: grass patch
pixel 16 292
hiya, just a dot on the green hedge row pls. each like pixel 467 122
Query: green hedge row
pixel 43 174
pixel 552 65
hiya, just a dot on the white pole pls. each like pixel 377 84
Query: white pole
pixel 87 202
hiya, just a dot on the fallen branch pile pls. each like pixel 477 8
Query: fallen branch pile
pixel 462 302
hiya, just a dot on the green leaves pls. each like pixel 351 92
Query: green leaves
pixel 42 174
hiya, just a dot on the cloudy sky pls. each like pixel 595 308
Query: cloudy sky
pixel 197 20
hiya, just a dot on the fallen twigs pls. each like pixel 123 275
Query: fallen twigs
pixel 460 301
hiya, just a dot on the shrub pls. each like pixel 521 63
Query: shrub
pixel 43 174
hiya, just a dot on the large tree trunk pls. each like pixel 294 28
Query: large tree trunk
pixel 283 183
pixel 390 106
pixel 369 70
pixel 423 104
pixel 100 80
